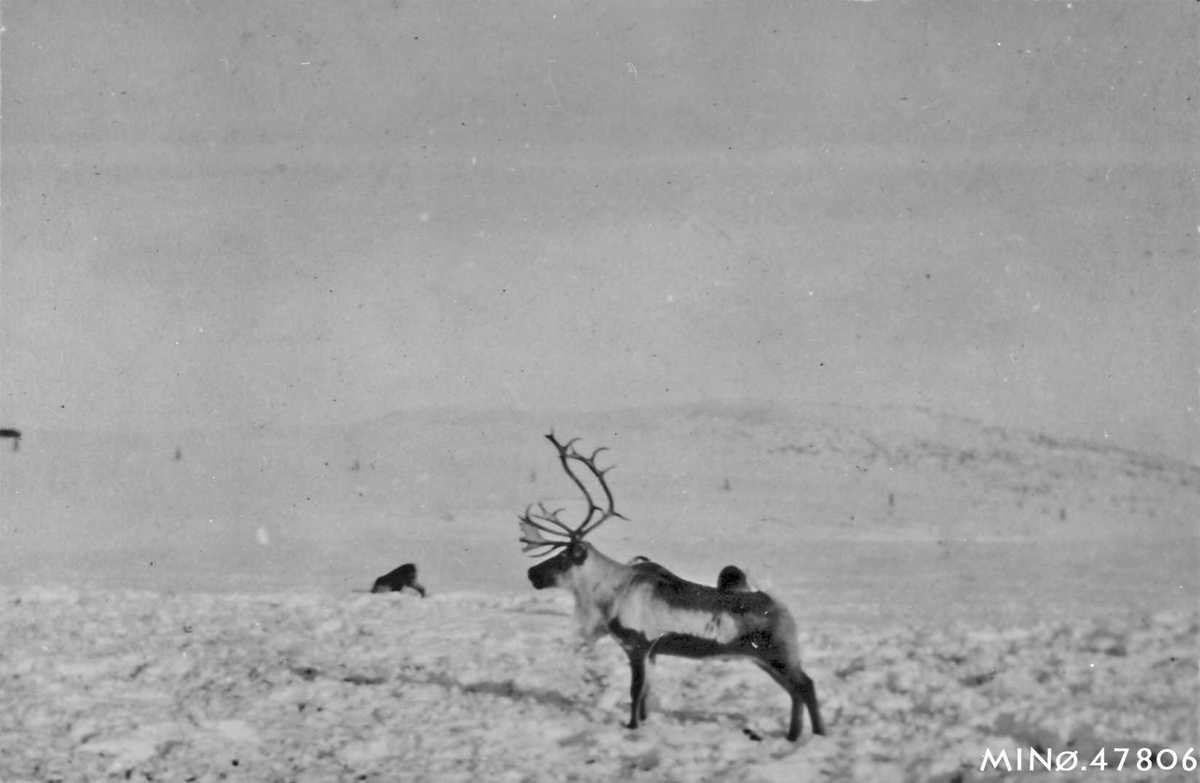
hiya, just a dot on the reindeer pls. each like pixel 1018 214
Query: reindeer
pixel 650 611
pixel 15 434
pixel 396 580
pixel 733 579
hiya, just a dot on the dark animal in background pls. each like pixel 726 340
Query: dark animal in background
pixel 397 580
pixel 649 611
pixel 15 435
pixel 733 579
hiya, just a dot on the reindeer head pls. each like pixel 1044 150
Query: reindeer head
pixel 537 524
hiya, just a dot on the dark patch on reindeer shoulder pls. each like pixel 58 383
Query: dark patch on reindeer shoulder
pixel 627 637
pixel 651 568
pixel 683 594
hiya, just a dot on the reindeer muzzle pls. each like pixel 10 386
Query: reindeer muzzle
pixel 545 574
pixel 539 579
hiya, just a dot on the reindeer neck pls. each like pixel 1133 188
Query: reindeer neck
pixel 604 568
pixel 595 584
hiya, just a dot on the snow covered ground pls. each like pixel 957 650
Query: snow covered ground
pixel 958 589
pixel 466 686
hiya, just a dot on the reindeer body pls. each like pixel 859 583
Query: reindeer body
pixel 650 611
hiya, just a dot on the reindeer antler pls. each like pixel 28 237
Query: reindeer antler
pixel 567 454
pixel 532 529
pixel 534 524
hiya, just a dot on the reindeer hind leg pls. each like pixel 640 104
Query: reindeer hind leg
pixel 807 691
pixel 802 691
pixel 800 687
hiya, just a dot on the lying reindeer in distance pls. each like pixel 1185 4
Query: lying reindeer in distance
pixel 650 611
pixel 733 579
pixel 398 579
pixel 14 434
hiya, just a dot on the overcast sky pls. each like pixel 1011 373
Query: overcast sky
pixel 217 213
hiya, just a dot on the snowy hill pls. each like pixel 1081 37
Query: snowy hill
pixel 335 506
pixel 957 587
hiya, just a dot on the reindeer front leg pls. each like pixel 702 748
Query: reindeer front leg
pixel 645 695
pixel 638 649
pixel 637 687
